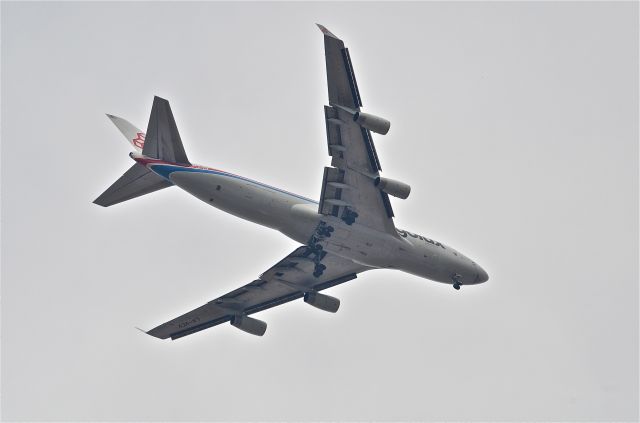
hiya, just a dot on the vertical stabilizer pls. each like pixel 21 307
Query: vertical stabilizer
pixel 134 135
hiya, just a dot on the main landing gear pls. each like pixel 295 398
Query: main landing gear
pixel 318 270
pixel 349 216
pixel 314 248
pixel 325 231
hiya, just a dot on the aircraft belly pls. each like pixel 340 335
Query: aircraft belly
pixel 360 244
pixel 376 249
pixel 432 261
pixel 298 221
pixel 235 196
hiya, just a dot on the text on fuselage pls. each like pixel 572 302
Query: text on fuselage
pixel 404 234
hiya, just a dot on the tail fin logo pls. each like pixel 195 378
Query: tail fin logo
pixel 138 141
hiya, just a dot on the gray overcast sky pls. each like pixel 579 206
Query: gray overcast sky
pixel 515 123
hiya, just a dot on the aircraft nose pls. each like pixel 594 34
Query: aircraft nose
pixel 482 275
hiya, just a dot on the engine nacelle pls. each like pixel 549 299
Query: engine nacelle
pixel 393 187
pixel 321 301
pixel 249 325
pixel 372 122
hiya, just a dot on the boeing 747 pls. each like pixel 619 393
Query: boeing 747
pixel 348 231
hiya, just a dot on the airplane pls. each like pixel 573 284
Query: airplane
pixel 350 229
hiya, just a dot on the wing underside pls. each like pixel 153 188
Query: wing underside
pixel 288 280
pixel 348 189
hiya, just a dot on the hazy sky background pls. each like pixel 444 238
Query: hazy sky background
pixel 516 124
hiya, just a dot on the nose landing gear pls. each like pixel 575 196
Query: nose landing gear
pixel 457 283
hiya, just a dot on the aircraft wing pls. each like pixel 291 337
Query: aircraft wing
pixel 288 280
pixel 348 188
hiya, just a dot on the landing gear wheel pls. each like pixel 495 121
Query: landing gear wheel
pixel 456 286
pixel 319 269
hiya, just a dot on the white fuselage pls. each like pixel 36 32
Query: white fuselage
pixel 297 217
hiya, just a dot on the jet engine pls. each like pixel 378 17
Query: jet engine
pixel 249 325
pixel 321 301
pixel 372 122
pixel 393 187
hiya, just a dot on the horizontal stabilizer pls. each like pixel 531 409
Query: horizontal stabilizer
pixel 162 139
pixel 136 181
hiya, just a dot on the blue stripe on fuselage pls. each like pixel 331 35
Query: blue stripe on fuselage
pixel 165 170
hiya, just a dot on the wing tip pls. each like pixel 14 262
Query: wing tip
pixel 326 32
pixel 148 333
